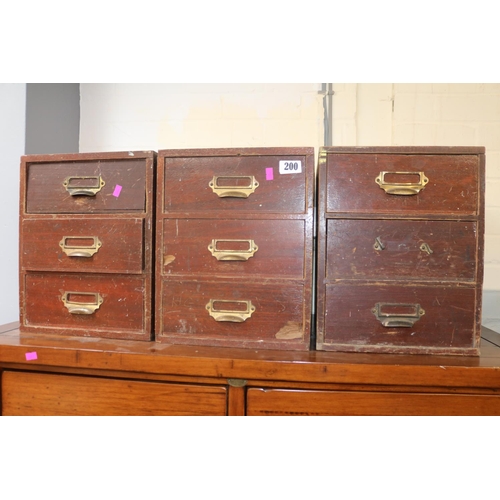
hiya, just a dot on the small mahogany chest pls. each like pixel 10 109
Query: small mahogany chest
pixel 234 245
pixel 400 249
pixel 86 244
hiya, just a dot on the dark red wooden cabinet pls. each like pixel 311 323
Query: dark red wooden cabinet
pixel 86 244
pixel 234 247
pixel 400 249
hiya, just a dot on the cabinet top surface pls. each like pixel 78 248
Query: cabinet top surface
pixel 294 366
pixel 446 150
pixel 113 155
pixel 266 151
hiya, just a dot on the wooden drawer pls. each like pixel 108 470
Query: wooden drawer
pixel 86 186
pixel 448 183
pixel 67 304
pixel 302 402
pixel 400 319
pixel 234 248
pixel 47 394
pixel 235 313
pixel 83 245
pixel 401 250
pixel 234 181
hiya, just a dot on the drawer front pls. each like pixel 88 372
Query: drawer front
pixel 47 394
pixel 234 314
pixel 354 184
pixel 235 184
pixel 86 186
pixel 400 249
pixel 83 245
pixel 299 402
pixel 85 304
pixel 233 248
pixel 378 318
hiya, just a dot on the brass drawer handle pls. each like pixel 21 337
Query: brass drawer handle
pixel 402 188
pixel 78 307
pixel 241 310
pixel 233 185
pixel 88 185
pixel 397 315
pixel 80 250
pixel 247 249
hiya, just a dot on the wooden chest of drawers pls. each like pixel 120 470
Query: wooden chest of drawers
pixel 234 247
pixel 86 244
pixel 400 249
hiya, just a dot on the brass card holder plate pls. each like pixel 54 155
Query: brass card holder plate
pixel 243 309
pixel 243 249
pixel 235 186
pixel 80 250
pixel 88 185
pixel 402 188
pixel 87 308
pixel 397 315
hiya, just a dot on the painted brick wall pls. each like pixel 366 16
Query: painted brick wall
pixel 432 115
pixel 118 117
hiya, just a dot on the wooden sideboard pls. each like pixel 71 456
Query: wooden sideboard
pixel 55 375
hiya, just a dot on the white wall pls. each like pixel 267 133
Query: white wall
pixel 12 133
pixel 116 117
pixel 432 115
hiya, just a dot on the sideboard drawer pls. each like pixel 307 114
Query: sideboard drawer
pixel 47 394
pixel 303 402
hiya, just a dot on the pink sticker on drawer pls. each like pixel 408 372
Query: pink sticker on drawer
pixel 117 191
pixel 269 174
pixel 31 356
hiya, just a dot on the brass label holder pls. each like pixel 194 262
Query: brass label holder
pixel 233 315
pixel 80 250
pixel 402 188
pixel 228 185
pixel 235 254
pixel 385 312
pixel 87 185
pixel 87 308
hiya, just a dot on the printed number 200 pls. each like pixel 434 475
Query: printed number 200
pixel 290 165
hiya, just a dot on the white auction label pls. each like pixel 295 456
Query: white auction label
pixel 290 167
